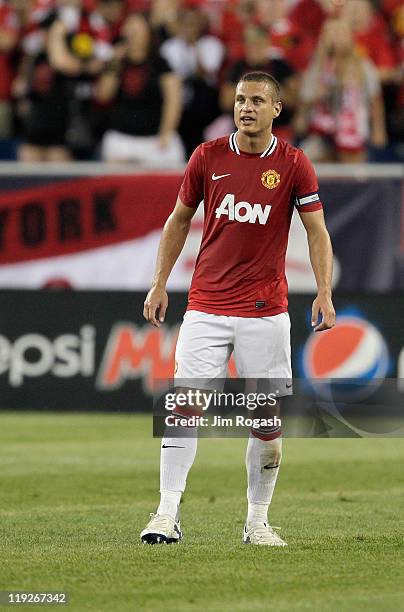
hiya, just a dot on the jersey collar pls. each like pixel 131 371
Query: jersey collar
pixel 268 151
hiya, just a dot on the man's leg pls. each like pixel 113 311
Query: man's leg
pixel 178 450
pixel 262 352
pixel 263 458
pixel 177 454
pixel 203 349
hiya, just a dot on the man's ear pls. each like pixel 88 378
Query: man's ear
pixel 277 109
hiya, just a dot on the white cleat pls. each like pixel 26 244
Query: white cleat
pixel 161 529
pixel 263 535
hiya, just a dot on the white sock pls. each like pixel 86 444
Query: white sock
pixel 257 513
pixel 176 459
pixel 261 481
pixel 169 502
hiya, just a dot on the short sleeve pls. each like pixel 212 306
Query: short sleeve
pixel 306 185
pixel 191 191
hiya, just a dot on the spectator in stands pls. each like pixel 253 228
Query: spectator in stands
pixel 79 47
pixel 289 41
pixel 197 57
pixel 58 117
pixel 230 25
pixel 147 101
pixel 9 30
pixel 42 106
pixel 341 107
pixel 257 57
pixel 111 15
pixel 164 17
pixel 371 36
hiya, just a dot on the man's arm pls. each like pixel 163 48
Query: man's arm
pixel 172 106
pixel 321 258
pixel 60 57
pixel 172 241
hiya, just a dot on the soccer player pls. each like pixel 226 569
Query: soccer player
pixel 250 183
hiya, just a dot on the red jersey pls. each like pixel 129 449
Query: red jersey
pixel 248 202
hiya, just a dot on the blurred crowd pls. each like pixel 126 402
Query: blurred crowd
pixel 145 81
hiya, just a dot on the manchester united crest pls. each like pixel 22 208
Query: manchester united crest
pixel 270 179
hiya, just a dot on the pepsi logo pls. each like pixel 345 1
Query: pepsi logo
pixel 354 350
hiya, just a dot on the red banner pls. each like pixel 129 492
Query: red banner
pixel 81 214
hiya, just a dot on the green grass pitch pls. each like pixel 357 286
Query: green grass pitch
pixel 75 491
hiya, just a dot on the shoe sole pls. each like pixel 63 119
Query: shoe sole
pixel 158 538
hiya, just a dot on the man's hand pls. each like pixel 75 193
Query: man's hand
pixel 156 300
pixel 322 305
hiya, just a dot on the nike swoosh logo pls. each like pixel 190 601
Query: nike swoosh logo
pixel 288 386
pixel 165 446
pixel 219 176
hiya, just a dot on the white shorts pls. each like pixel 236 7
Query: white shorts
pixel 144 150
pixel 261 347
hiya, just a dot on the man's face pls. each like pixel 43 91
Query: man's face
pixel 254 108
